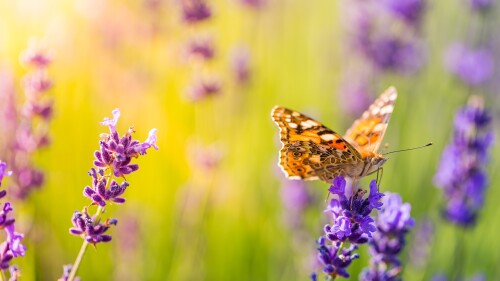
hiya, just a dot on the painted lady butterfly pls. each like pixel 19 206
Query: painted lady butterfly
pixel 311 151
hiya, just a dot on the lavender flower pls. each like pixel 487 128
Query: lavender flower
pixel 393 223
pixel 461 173
pixel 12 246
pixel 472 66
pixel 26 128
pixel 202 89
pixel 296 199
pixel 202 48
pixel 481 5
pixel 88 228
pixel 240 65
pixel 66 271
pixel 194 11
pixel 116 153
pixel 410 10
pixel 112 160
pixel 351 216
pixel 352 224
pixel 336 259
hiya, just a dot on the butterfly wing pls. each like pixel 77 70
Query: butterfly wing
pixel 310 150
pixel 368 131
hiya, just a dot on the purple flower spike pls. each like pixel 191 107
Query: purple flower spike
pixel 393 223
pixel 194 11
pixel 472 66
pixel 334 259
pixel 481 5
pixel 351 223
pixel 111 123
pixel 93 232
pixel 462 169
pixel 351 215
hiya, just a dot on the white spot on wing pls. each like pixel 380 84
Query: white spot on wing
pixel 387 109
pixel 328 137
pixel 292 125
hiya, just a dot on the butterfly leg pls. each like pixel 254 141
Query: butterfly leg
pixel 380 172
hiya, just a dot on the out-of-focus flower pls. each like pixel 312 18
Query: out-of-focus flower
pixel 481 5
pixel 389 53
pixel 461 173
pixel 25 128
pixel 296 198
pixel 254 4
pixel 472 66
pixel 393 223
pixel 194 11
pixel 204 157
pixel 201 48
pixel 66 271
pixel 354 95
pixel 410 10
pixel 421 244
pixel 240 64
pixel 201 89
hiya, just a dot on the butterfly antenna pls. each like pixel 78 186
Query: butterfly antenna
pixel 413 148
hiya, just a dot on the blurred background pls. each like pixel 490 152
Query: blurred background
pixel 211 203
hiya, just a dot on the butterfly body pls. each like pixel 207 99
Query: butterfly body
pixel 311 151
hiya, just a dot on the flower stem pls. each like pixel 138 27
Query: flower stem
pixel 83 249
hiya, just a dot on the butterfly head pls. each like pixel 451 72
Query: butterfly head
pixel 376 162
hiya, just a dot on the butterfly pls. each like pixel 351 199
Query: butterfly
pixel 311 151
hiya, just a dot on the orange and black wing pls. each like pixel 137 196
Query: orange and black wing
pixel 310 150
pixel 368 131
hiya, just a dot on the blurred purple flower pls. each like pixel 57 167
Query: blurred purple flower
pixel 481 5
pixel 201 47
pixel 393 223
pixel 240 64
pixel 203 157
pixel 389 53
pixel 66 271
pixel 202 89
pixel 472 66
pixel 296 199
pixel 194 11
pixel 255 4
pixel 410 10
pixel 461 173
pixel 26 127
pixel 88 228
pixel 355 97
pixel 35 55
pixel 36 82
pixel 421 244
